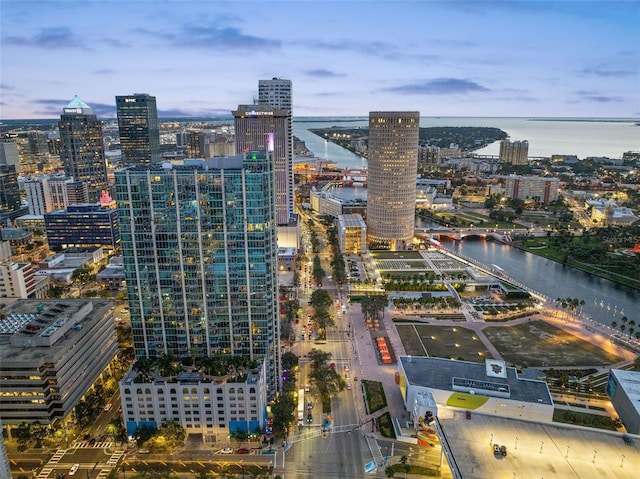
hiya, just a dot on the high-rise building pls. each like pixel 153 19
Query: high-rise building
pixel 514 152
pixel 83 226
pixel 532 188
pixel 9 153
pixel 9 189
pixel 38 196
pixel 259 127
pixel 138 126
pixel 200 254
pixel 391 183
pixel 82 147
pixel 277 93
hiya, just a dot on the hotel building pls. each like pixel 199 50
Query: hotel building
pixel 391 183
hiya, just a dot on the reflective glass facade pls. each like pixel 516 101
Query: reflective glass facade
pixel 82 150
pixel 200 254
pixel 83 226
pixel 138 127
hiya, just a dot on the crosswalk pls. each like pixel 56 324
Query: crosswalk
pixel 57 456
pixel 115 457
pixel 96 445
pixel 44 473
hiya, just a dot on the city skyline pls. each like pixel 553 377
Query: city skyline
pixel 504 58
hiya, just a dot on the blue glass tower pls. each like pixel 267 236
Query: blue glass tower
pixel 200 254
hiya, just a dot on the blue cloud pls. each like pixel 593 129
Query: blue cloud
pixel 49 38
pixel 597 97
pixel 322 73
pixel 439 86
pixel 4 86
pixel 214 37
pixel 115 43
pixel 382 50
pixel 607 73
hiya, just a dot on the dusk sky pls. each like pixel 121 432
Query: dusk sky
pixel 443 58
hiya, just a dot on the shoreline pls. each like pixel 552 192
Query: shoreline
pixel 571 266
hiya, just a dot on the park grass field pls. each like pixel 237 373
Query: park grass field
pixel 540 344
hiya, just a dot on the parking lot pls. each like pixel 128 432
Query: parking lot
pixel 537 450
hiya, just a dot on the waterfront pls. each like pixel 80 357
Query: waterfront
pixel 580 137
pixel 605 301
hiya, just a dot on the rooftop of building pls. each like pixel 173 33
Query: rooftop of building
pixel 77 104
pixel 490 379
pixel 351 221
pixel 44 330
pixel 630 382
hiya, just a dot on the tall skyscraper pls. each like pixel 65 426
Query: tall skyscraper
pixel 391 183
pixel 514 152
pixel 9 191
pixel 138 126
pixel 82 147
pixel 257 126
pixel 277 93
pixel 200 255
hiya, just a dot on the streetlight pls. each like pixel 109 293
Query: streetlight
pixel 568 447
pixel 516 443
pixel 595 453
pixel 622 461
pixel 491 440
pixel 541 444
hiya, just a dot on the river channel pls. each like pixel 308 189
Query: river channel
pixel 605 301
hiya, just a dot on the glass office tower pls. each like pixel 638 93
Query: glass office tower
pixel 82 147
pixel 138 127
pixel 200 254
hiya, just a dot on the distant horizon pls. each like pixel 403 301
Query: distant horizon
pixel 230 117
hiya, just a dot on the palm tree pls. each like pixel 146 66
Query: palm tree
pixel 614 324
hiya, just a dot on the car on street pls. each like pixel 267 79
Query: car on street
pixel 242 450
pixel 226 450
pixel 503 450
pixel 74 469
pixel 496 450
pixel 143 451
pixel 307 388
pixel 627 439
pixel 349 386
